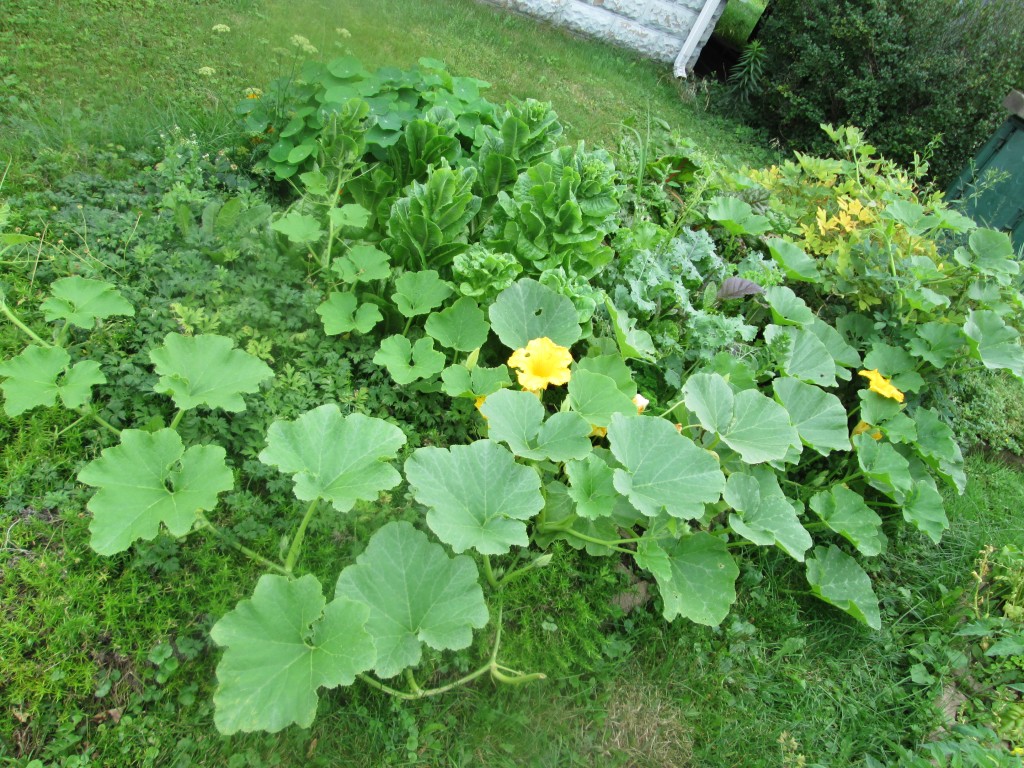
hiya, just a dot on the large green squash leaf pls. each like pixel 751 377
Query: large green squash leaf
pixel 147 480
pixel 808 359
pixel 794 261
pixel 753 425
pixel 937 343
pixel 819 417
pixel 416 293
pixel 764 515
pixel 478 381
pixel 923 508
pixel 993 342
pixel 281 646
pixel 517 419
pixel 597 397
pixel 342 459
pixel 81 302
pixel 416 594
pixel 407 362
pixel 663 470
pixel 527 310
pixel 462 326
pixel 696 576
pixel 845 512
pixel 342 313
pixel 884 468
pixel 788 308
pixel 34 379
pixel 477 495
pixel 592 487
pixel 838 579
pixel 207 370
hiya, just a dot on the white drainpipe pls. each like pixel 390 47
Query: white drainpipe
pixel 693 39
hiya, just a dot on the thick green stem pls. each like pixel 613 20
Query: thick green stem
pixel 238 546
pixel 411 679
pixel 21 326
pixel 614 544
pixel 177 418
pixel 62 334
pixel 90 413
pixel 296 547
pixel 539 562
pixel 848 478
pixel 489 574
pixel 497 671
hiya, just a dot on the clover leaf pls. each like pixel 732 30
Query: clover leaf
pixel 416 594
pixel 147 480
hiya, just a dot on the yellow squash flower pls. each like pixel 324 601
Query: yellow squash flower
pixel 596 431
pixel 883 386
pixel 863 427
pixel 540 363
pixel 641 403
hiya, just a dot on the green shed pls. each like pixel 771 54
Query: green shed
pixel 1000 206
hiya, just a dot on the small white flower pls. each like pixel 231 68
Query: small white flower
pixel 641 403
pixel 301 42
pixel 206 71
pixel 220 29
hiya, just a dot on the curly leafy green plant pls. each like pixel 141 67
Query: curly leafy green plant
pixel 291 115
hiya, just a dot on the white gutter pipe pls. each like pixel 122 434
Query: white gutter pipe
pixel 693 39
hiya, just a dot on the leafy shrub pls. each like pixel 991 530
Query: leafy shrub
pixel 986 408
pixel 906 71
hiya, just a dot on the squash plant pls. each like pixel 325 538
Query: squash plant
pixel 810 437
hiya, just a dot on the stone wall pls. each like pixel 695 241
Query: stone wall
pixel 673 31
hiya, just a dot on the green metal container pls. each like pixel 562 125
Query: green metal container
pixel 999 206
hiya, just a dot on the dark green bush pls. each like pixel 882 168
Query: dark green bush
pixel 906 71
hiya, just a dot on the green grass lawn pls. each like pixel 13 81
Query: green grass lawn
pixel 107 661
